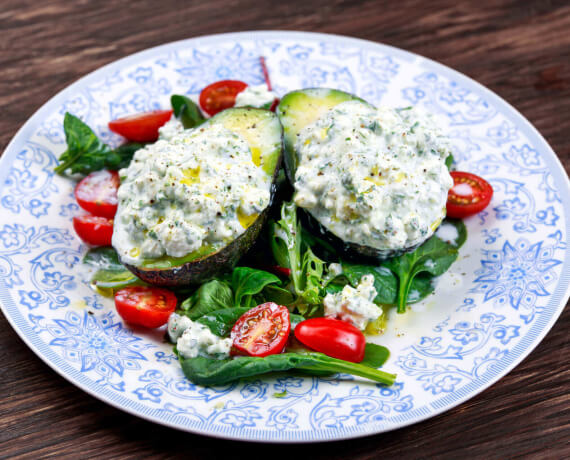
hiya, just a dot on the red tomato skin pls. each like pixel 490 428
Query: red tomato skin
pixel 333 337
pixel 274 105
pixel 141 127
pixel 220 95
pixel 277 342
pixel 97 193
pixel 459 206
pixel 137 305
pixel 94 230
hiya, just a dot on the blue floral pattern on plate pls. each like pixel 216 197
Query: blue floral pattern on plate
pixel 501 297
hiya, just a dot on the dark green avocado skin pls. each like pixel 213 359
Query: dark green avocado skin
pixel 291 110
pixel 207 267
pixel 351 251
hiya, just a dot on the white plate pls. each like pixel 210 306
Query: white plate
pixel 489 311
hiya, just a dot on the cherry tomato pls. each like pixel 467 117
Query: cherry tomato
pixel 469 195
pixel 94 230
pixel 332 337
pixel 220 95
pixel 274 105
pixel 283 272
pixel 145 306
pixel 261 331
pixel 97 193
pixel 141 127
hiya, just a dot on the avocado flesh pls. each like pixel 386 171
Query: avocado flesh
pixel 262 131
pixel 301 108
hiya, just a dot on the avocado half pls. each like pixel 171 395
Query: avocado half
pixel 262 131
pixel 301 108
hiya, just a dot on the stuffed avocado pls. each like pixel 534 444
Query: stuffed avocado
pixel 191 206
pixel 374 181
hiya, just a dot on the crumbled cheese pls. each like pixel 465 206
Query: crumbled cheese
pixel 198 340
pixel 170 129
pixel 375 177
pixel 335 270
pixel 448 233
pixel 177 324
pixel 355 306
pixel 255 96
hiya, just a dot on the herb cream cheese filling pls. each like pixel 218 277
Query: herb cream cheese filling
pixel 375 177
pixel 190 189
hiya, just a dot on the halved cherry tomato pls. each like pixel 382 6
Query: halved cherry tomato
pixel 220 95
pixel 261 331
pixel 145 306
pixel 141 127
pixel 97 193
pixel 94 230
pixel 332 337
pixel 469 195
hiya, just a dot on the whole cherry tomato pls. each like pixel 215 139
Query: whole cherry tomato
pixel 333 337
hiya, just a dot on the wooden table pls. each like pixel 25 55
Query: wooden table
pixel 520 50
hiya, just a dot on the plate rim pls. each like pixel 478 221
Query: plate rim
pixel 237 434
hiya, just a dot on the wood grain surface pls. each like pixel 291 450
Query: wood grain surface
pixel 519 49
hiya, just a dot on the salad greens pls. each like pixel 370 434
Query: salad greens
pixel 398 281
pixel 86 153
pixel 187 111
pixel 290 251
pixel 247 282
pixel 206 371
pixel 211 296
pixel 110 273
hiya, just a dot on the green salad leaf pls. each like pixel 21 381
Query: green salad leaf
pixel 375 355
pixel 247 282
pixel 291 252
pixel 86 153
pixel 187 111
pixel 110 274
pixel 433 257
pixel 211 296
pixel 409 277
pixel 206 371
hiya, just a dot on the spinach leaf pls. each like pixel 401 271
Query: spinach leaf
pixel 105 258
pixel 434 257
pixel 86 153
pixel 211 296
pixel 279 295
pixel 115 280
pixel 188 112
pixel 206 371
pixel 246 282
pixel 375 355
pixel 110 274
pixel 459 227
pixel 385 282
pixel 221 321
